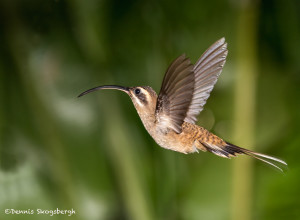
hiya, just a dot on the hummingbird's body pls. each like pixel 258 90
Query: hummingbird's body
pixel 188 141
pixel 170 117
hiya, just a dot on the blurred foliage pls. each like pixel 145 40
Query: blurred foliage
pixel 93 154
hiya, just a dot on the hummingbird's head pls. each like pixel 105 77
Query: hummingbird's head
pixel 143 97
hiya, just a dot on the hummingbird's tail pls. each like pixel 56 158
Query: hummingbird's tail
pixel 230 150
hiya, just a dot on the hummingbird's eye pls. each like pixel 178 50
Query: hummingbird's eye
pixel 137 91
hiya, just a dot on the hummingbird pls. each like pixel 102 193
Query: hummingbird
pixel 170 117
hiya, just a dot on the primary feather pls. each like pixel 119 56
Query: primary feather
pixel 206 72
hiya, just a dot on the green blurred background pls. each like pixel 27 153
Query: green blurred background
pixel 93 155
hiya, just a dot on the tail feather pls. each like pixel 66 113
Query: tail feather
pixel 230 150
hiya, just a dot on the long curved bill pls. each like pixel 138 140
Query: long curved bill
pixel 121 88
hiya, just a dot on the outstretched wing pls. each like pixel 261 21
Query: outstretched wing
pixel 206 70
pixel 175 95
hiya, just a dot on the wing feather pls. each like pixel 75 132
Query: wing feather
pixel 207 70
pixel 175 95
pixel 186 87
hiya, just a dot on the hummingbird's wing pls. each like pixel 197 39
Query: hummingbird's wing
pixel 207 70
pixel 175 95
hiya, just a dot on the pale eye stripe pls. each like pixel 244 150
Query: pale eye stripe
pixel 147 94
pixel 144 92
pixel 138 101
